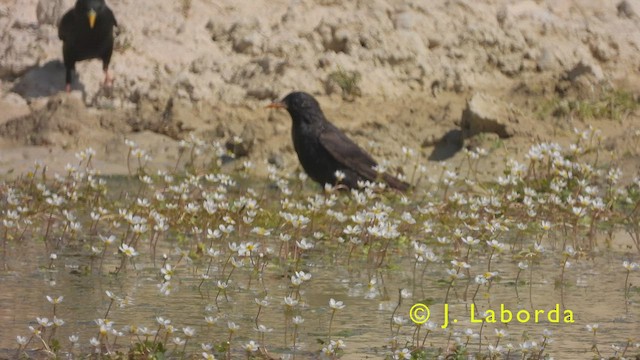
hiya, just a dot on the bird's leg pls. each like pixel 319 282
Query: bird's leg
pixel 108 80
pixel 68 76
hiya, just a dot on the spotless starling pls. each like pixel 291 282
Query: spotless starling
pixel 323 149
pixel 86 32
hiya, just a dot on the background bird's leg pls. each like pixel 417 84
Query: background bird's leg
pixel 108 80
pixel 68 78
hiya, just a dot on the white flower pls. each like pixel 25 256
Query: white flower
pixel 336 305
pixel 232 326
pixel 264 329
pixel 208 356
pixel 402 354
pixel 94 342
pixel 592 327
pixel 304 244
pixel 297 320
pixel 128 251
pixel 57 300
pixel 22 340
pixel 289 301
pixel 251 346
pixel 189 331
pixel 43 321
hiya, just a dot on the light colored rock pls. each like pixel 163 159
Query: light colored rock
pixel 625 9
pixel 404 20
pixel 246 36
pixel 49 12
pixel 604 50
pixel 510 64
pixel 546 60
pixel 485 114
pixel 20 51
pixel 13 106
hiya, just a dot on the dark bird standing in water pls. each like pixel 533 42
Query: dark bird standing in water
pixel 86 32
pixel 323 149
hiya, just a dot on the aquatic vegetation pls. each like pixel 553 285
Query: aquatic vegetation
pixel 232 267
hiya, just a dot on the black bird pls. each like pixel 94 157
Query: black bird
pixel 86 32
pixel 322 148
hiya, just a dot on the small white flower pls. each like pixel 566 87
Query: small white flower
pixel 232 326
pixel 22 340
pixel 336 305
pixel 128 251
pixel 55 301
pixel 189 331
pixel 251 346
pixel 94 342
pixel 297 320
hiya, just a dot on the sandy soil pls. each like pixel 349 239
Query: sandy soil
pixel 433 76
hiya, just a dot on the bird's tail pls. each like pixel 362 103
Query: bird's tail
pixel 396 183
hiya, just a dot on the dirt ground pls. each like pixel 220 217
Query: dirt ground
pixel 432 76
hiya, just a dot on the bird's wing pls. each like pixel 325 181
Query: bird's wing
pixel 65 28
pixel 348 153
pixel 109 15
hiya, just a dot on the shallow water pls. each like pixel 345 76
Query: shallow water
pixel 593 286
pixel 593 291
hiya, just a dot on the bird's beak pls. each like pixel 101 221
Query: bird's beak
pixel 277 105
pixel 92 18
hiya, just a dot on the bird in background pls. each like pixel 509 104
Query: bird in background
pixel 86 32
pixel 323 149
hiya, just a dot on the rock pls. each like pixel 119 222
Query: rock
pixel 485 114
pixel 249 43
pixel 430 140
pixel 20 50
pixel 64 121
pixel 584 68
pixel 264 92
pixel 625 10
pixel 334 37
pixel 220 131
pixel 510 64
pixel 217 30
pixel 406 53
pixel 241 145
pixel 13 106
pixel 49 12
pixel 404 20
pixel 276 160
pixel 200 65
pixel 502 14
pixel 602 50
pixel 245 37
pixel 546 60
pixel 580 80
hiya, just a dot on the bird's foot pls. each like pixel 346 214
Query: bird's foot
pixel 67 88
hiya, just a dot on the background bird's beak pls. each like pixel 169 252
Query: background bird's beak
pixel 277 105
pixel 92 18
